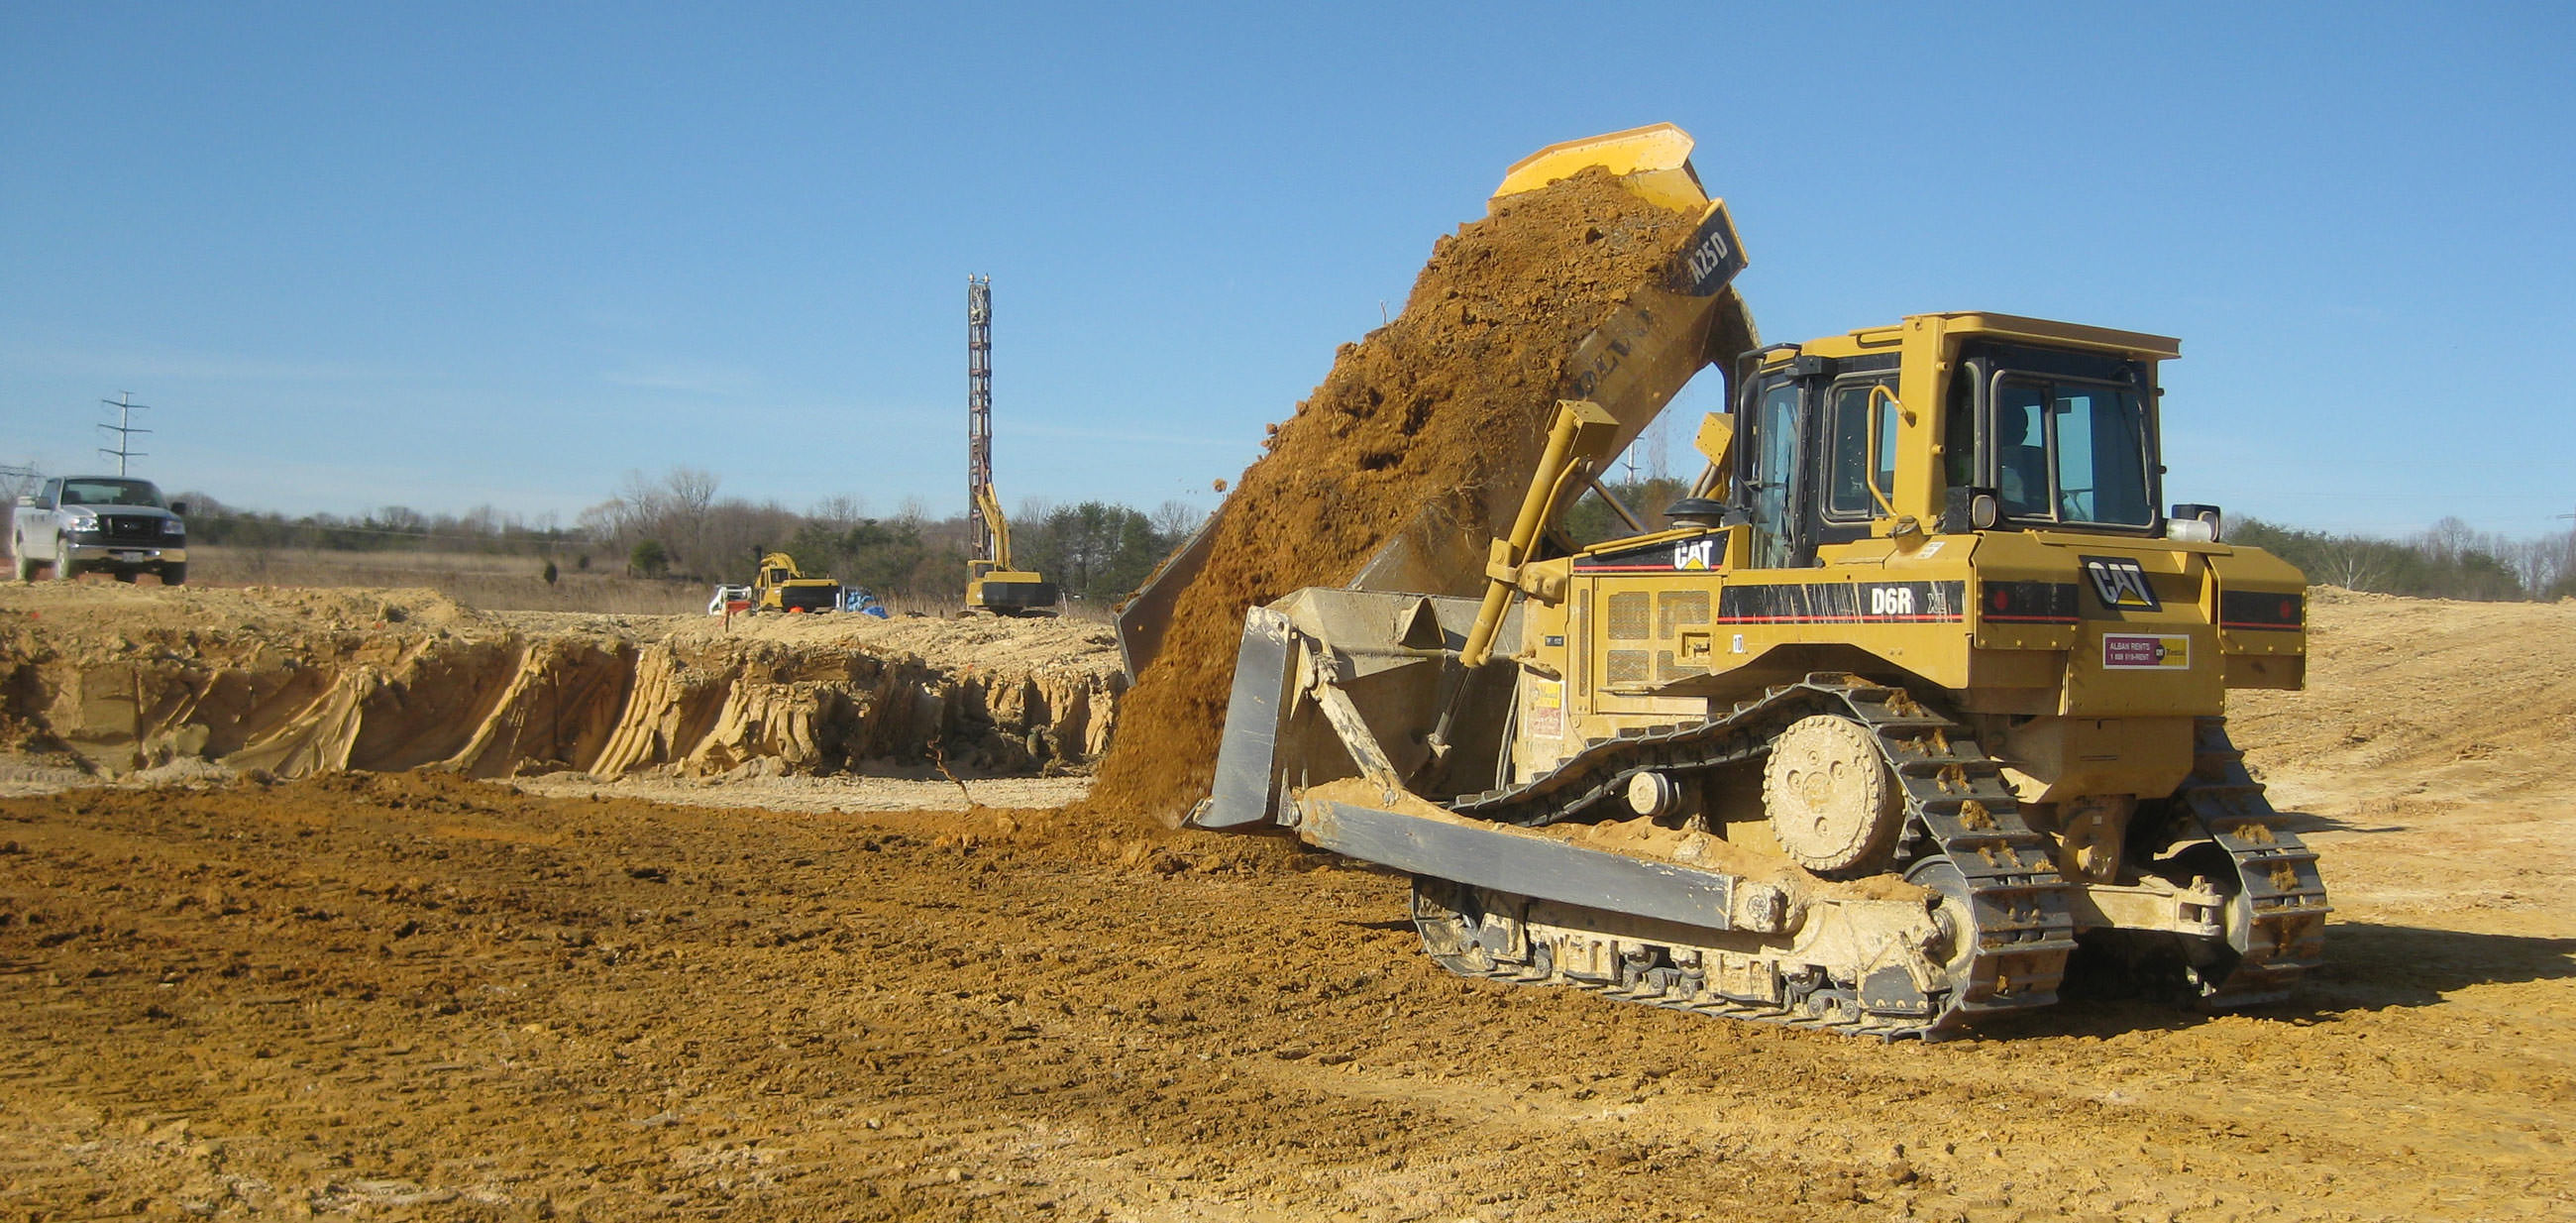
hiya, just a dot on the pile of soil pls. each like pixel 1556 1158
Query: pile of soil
pixel 118 680
pixel 1424 412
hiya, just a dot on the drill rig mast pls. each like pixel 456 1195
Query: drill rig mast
pixel 991 582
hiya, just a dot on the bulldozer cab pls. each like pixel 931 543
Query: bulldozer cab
pixel 1946 424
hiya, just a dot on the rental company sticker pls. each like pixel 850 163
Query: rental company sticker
pixel 1547 709
pixel 2142 652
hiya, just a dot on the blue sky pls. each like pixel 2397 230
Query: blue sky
pixel 447 254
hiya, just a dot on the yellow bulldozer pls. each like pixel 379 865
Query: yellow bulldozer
pixel 779 586
pixel 1916 703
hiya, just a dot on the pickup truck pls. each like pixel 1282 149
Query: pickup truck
pixel 100 524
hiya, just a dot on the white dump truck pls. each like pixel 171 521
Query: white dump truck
pixel 100 524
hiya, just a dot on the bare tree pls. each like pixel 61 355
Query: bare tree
pixel 914 512
pixel 840 512
pixel 693 489
pixel 1177 519
pixel 2351 563
pixel 2449 539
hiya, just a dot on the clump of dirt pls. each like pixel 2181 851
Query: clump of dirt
pixel 1423 412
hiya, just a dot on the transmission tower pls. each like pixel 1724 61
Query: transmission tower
pixel 979 411
pixel 124 429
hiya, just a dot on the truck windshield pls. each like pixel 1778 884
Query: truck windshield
pixel 2072 451
pixel 112 492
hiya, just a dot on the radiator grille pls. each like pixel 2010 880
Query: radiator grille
pixel 1631 615
pixel 1629 667
pixel 129 526
pixel 1680 607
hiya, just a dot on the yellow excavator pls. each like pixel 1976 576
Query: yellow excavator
pixel 1917 703
pixel 992 584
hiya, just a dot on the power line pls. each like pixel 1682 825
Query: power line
pixel 124 429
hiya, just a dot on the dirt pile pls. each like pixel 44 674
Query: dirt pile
pixel 295 682
pixel 1421 413
pixel 2476 698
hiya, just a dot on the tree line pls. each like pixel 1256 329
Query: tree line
pixel 2449 561
pixel 675 526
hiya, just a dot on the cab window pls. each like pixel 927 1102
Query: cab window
pixel 1855 453
pixel 2072 451
pixel 1771 479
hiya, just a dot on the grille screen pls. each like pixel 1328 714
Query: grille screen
pixel 1629 666
pixel 1630 615
pixel 1680 607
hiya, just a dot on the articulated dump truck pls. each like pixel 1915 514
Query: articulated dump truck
pixel 1917 702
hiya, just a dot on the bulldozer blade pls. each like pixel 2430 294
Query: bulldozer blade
pixel 1147 614
pixel 1247 770
pixel 1526 864
pixel 1332 684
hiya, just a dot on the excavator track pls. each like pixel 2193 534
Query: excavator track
pixel 1959 813
pixel 2279 934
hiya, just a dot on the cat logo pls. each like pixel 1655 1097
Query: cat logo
pixel 2121 583
pixel 1695 554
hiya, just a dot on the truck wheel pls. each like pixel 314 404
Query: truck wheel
pixel 23 563
pixel 64 571
pixel 174 575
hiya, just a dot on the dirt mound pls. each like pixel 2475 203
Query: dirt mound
pixel 2479 698
pixel 1419 414
pixel 301 681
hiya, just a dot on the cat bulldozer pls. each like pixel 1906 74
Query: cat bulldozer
pixel 1916 704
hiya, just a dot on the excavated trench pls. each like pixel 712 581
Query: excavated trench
pixel 300 682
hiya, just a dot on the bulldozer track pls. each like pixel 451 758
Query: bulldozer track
pixel 1958 808
pixel 2281 934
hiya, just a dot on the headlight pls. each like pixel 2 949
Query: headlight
pixel 172 526
pixel 81 523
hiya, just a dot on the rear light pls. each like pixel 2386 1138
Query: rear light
pixel 2028 602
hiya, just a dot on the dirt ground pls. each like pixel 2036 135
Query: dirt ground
pixel 419 996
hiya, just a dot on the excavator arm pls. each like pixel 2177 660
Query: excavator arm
pixel 991 506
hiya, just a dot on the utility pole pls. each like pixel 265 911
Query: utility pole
pixel 124 429
pixel 979 411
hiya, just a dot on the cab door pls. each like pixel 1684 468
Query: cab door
pixel 1774 479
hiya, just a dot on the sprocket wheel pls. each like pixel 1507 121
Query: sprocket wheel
pixel 1832 803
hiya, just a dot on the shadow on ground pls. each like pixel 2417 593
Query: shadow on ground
pixel 2368 967
pixel 2368 964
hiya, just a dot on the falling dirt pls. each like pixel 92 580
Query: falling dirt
pixel 292 682
pixel 422 996
pixel 1424 412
